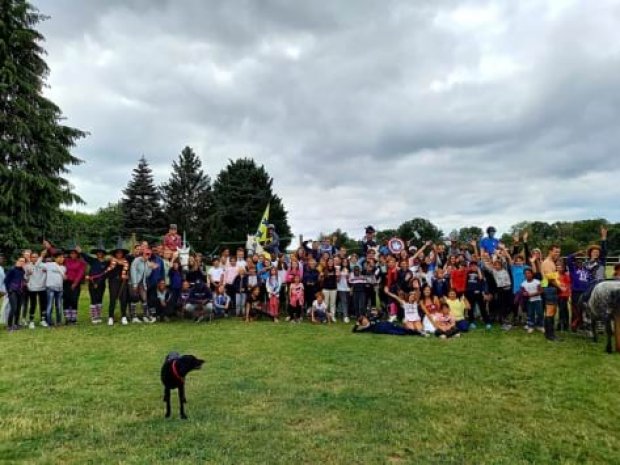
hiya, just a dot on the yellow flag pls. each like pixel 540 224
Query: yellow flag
pixel 261 232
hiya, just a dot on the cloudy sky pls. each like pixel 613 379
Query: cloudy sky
pixel 464 112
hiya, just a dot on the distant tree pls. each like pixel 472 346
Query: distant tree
pixel 34 145
pixel 342 239
pixel 424 228
pixel 466 234
pixel 142 213
pixel 186 196
pixel 240 194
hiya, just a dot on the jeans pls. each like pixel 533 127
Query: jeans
pixel 54 298
pixel 343 303
pixel 240 300
pixel 359 303
pixel 16 301
pixel 41 296
pixel 534 313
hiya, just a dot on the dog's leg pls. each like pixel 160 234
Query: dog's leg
pixel 167 401
pixel 182 401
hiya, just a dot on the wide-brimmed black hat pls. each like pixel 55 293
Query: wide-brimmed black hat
pixel 99 249
pixel 119 248
pixel 370 230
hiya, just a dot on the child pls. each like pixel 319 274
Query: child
pixel 254 307
pixel 296 300
pixel 563 297
pixel 14 282
pixel 97 266
pixel 458 308
pixel 318 314
pixel 441 284
pixel 175 278
pixel 342 274
pixel 240 287
pixel 445 323
pixel 54 278
pixel 364 325
pixel 184 296
pixel 221 301
pixel 272 287
pixel 358 286
pixel 75 272
pixel 532 292
pixel 200 301
pixel 411 319
pixel 164 300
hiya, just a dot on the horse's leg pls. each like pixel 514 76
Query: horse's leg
pixel 593 324
pixel 609 333
pixel 617 329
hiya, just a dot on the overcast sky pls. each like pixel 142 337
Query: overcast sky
pixel 364 112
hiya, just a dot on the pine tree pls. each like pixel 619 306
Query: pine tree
pixel 34 145
pixel 187 195
pixel 241 192
pixel 142 212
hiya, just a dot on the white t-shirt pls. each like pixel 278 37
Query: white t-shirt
pixel 428 326
pixel 215 274
pixel 319 307
pixel 532 287
pixel 411 312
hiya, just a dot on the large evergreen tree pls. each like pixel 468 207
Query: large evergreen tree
pixel 187 195
pixel 142 212
pixel 34 145
pixel 241 192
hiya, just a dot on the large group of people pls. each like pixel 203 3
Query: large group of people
pixel 442 288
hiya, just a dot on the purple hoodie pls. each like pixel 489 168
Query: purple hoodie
pixel 580 277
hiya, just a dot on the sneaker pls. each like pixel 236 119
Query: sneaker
pixel 530 330
pixel 124 321
pixel 472 326
pixel 135 319
pixel 31 325
pixel 426 334
pixel 540 329
pixel 506 327
pixel 346 319
pixel 110 321
pixel 199 319
pixel 489 327
pixel 44 323
pixel 457 335
pixel 393 318
pixel 288 318
pixel 443 336
pixel 153 320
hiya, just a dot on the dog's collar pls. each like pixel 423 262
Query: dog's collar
pixel 176 373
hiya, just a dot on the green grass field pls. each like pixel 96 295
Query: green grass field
pixel 281 394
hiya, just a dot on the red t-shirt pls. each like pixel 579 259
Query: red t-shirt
pixel 458 279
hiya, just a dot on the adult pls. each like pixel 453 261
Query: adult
pixel 35 282
pixel 14 281
pixel 75 272
pixel 118 276
pixel 95 277
pixel 597 256
pixel 368 241
pixel 140 271
pixel 551 286
pixel 489 243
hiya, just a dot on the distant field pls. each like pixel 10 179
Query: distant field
pixel 281 394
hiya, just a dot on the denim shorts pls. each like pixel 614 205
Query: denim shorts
pixel 550 295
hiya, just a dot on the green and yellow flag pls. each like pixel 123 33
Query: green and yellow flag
pixel 261 233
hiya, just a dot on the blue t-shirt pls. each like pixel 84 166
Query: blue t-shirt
pixel 489 244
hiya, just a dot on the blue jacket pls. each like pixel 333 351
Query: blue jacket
pixel 158 273
pixel 14 280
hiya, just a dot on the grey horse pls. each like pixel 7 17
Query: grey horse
pixel 604 305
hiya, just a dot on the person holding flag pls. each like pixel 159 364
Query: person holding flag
pixel 268 236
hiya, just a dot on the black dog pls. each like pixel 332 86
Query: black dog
pixel 173 373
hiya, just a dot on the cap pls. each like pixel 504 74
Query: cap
pixel 370 229
pixel 173 226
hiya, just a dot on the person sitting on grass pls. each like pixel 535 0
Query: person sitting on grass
pixel 458 308
pixel 318 312
pixel 255 306
pixel 411 319
pixel 200 301
pixel 221 301
pixel 445 323
pixel 365 325
pixel 430 306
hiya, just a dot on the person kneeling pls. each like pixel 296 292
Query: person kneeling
pixel 199 302
pixel 318 313
pixel 445 324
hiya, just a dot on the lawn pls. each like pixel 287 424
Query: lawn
pixel 283 394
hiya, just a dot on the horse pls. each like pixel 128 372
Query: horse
pixel 604 304
pixel 253 246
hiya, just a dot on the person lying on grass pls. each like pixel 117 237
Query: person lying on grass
pixel 411 309
pixel 255 307
pixel 364 325
pixel 458 307
pixel 445 323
